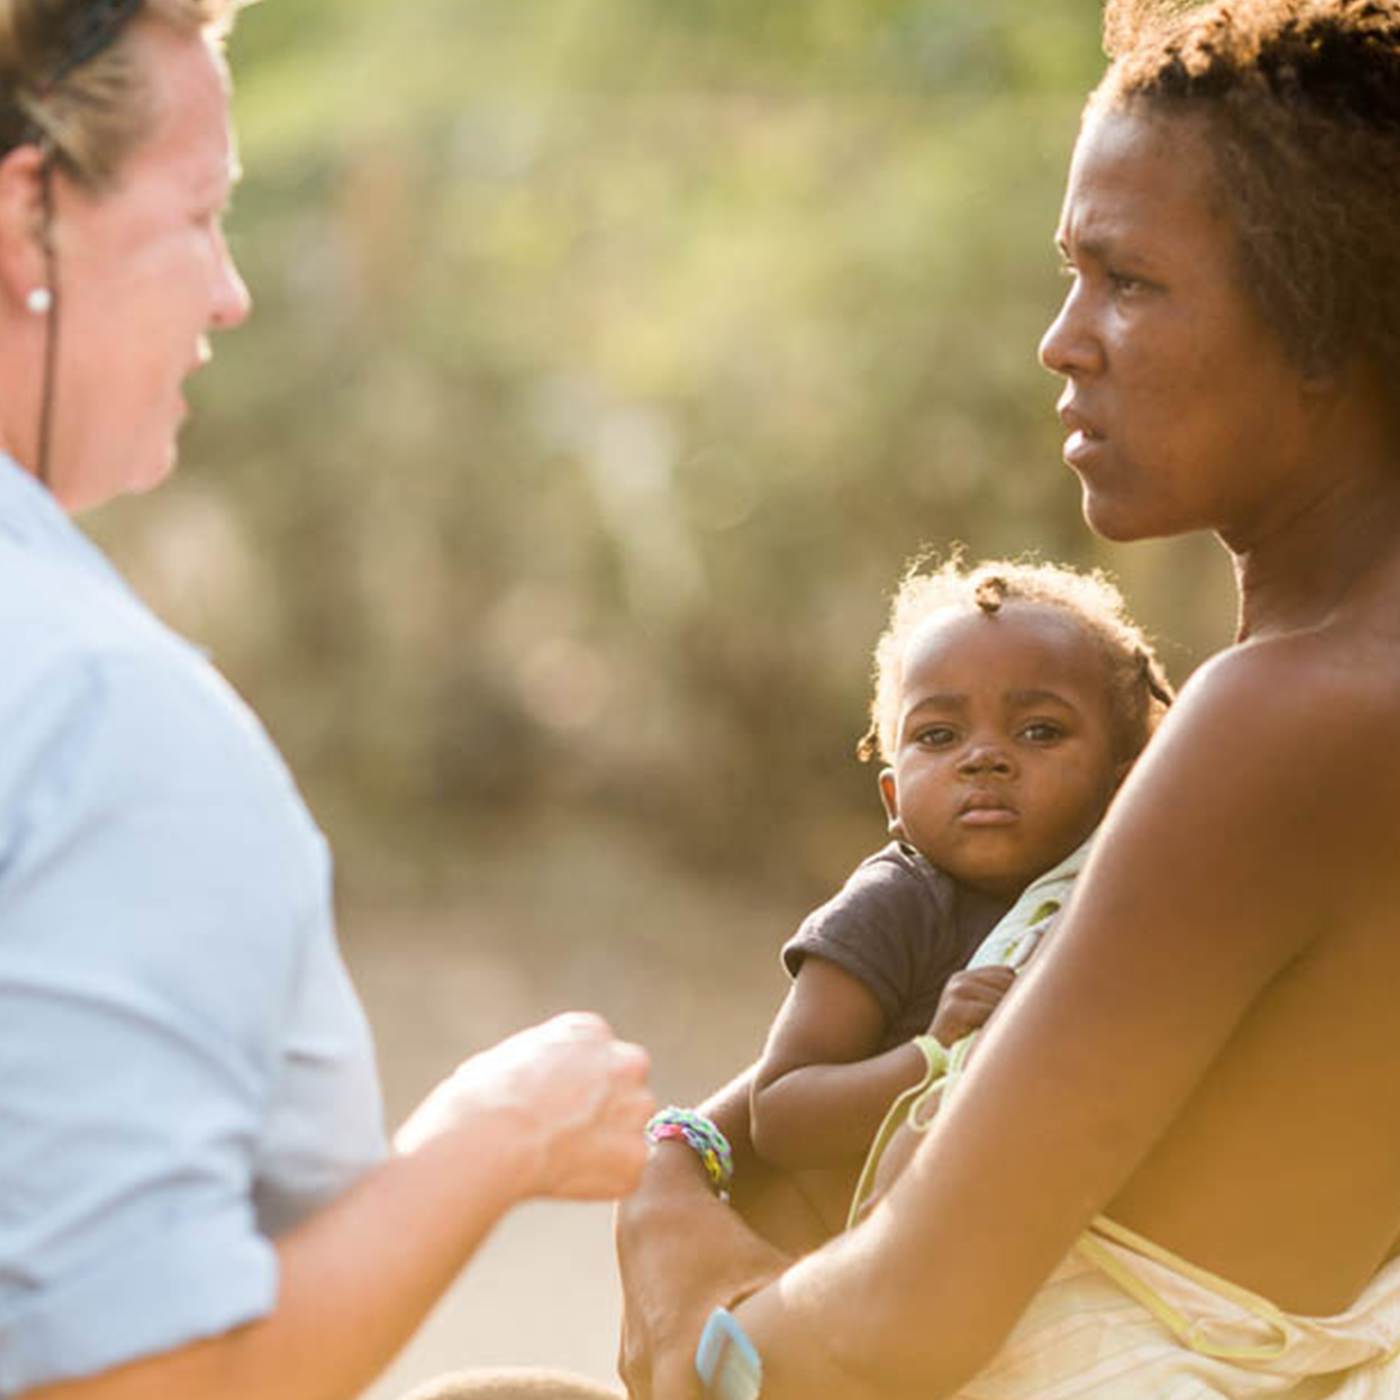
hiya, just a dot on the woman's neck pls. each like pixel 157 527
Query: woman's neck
pixel 1316 551
pixel 1297 576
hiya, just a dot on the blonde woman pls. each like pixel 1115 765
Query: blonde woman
pixel 195 1196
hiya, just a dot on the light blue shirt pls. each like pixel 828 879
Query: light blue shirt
pixel 184 1068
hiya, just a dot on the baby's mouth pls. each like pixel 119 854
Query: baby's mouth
pixel 984 809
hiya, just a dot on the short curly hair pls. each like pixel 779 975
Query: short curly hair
pixel 1302 98
pixel 1141 692
pixel 96 114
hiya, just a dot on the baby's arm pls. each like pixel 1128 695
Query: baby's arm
pixel 821 1089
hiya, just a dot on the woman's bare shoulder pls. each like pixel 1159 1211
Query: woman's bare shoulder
pixel 1335 687
pixel 1284 749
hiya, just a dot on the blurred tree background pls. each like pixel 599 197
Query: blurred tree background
pixel 609 359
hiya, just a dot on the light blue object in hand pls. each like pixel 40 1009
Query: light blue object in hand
pixel 726 1361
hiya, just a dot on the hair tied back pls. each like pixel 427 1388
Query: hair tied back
pixel 990 593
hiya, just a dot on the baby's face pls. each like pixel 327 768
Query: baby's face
pixel 1004 759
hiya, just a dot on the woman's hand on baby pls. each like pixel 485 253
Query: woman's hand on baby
pixel 567 1096
pixel 968 999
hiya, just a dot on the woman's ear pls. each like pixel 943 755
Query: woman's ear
pixel 22 264
pixel 890 797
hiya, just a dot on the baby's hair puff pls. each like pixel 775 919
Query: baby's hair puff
pixel 1140 689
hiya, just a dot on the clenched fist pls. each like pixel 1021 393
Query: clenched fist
pixel 567 1096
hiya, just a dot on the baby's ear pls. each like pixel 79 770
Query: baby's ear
pixel 890 797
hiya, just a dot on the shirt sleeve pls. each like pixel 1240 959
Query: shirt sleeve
pixel 877 928
pixel 156 874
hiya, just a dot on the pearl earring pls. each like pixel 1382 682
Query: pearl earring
pixel 39 301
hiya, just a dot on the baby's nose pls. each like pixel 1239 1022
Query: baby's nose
pixel 986 758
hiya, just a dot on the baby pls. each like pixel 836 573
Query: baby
pixel 1010 701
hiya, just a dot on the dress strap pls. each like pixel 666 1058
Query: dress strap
pixel 906 1105
pixel 1188 1333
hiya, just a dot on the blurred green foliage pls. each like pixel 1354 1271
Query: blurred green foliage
pixel 609 360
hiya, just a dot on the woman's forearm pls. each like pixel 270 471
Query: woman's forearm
pixel 847 1323
pixel 356 1279
pixel 556 1110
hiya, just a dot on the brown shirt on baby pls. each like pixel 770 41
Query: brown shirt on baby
pixel 901 927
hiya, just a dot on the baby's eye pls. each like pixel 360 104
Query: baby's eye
pixel 1042 731
pixel 935 736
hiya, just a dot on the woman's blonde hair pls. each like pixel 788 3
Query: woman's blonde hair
pixel 1139 691
pixel 96 112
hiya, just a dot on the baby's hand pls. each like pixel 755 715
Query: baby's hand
pixel 968 999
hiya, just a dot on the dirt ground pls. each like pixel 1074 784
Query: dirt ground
pixel 684 965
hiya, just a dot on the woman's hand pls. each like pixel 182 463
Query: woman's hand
pixel 682 1253
pixel 968 999
pixel 568 1096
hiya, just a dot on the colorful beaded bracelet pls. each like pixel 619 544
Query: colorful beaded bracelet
pixel 702 1137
